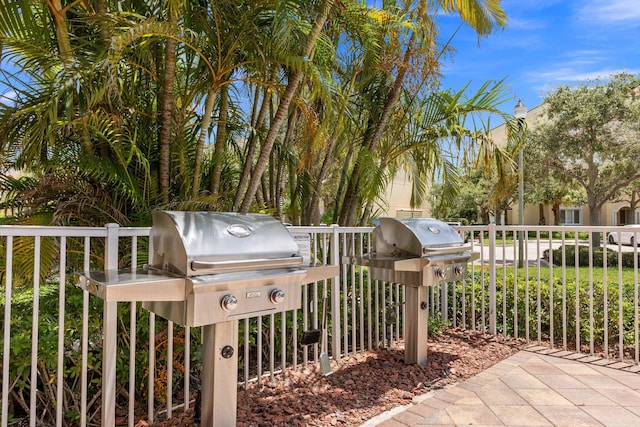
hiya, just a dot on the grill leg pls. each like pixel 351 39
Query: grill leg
pixel 220 374
pixel 416 325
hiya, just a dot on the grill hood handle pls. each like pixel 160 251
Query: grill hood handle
pixel 247 264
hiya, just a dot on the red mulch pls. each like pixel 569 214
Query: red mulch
pixel 361 386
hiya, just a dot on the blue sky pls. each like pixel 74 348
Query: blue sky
pixel 547 43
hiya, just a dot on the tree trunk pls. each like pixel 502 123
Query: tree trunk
pixel 204 129
pixel 594 219
pixel 105 36
pixel 282 164
pixel 66 54
pixel 352 195
pixel 556 211
pixel 633 204
pixel 283 108
pixel 166 116
pixel 344 176
pixel 314 205
pixel 221 136
pixel 252 147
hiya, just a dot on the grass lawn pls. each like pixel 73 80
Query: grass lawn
pixel 629 277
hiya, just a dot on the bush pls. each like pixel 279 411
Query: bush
pixel 548 300
pixel 47 365
pixel 597 256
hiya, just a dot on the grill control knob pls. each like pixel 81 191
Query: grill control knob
pixel 440 272
pixel 276 296
pixel 229 302
pixel 457 270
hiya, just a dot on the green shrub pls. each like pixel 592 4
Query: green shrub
pixel 548 300
pixel 597 256
pixel 21 348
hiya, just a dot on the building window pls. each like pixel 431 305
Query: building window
pixel 570 216
pixel 405 213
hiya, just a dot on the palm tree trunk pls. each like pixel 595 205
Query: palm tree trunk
pixel 282 164
pixel 221 136
pixel 204 129
pixel 352 195
pixel 314 205
pixel 252 147
pixel 62 32
pixel 166 115
pixel 105 36
pixel 66 54
pixel 283 107
pixel 344 177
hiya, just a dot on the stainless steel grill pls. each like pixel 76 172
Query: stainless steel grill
pixel 417 253
pixel 211 269
pixel 234 266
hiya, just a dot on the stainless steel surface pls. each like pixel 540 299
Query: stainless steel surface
pixel 222 266
pixel 423 271
pixel 189 243
pixel 219 374
pixel 252 290
pixel 137 285
pixel 208 298
pixel 416 327
pixel 325 365
pixel 415 236
pixel 416 252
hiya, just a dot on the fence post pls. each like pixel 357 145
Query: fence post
pixel 110 319
pixel 7 331
pixel 335 294
pixel 492 279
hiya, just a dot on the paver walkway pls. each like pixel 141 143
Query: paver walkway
pixel 531 388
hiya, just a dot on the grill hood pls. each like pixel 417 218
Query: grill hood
pixel 415 237
pixel 196 243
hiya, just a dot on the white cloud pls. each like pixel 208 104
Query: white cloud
pixel 573 74
pixel 608 12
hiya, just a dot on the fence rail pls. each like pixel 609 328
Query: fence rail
pixel 565 287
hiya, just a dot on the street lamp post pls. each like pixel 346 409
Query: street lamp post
pixel 520 113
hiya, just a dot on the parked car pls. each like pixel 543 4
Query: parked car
pixel 630 237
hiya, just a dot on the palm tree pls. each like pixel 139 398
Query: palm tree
pixel 126 102
pixel 481 15
pixel 283 106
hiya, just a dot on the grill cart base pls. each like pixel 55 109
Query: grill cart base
pixel 415 340
pixel 219 374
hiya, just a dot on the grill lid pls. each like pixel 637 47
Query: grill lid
pixel 416 237
pixel 195 243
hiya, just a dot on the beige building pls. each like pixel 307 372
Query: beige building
pixel 398 197
pixel 613 213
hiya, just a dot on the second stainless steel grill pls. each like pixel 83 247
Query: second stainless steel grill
pixel 417 253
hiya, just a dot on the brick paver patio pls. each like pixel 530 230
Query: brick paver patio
pixel 535 387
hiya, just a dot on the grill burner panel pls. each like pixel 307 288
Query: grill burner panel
pixel 254 292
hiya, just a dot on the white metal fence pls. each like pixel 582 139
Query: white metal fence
pixel 57 369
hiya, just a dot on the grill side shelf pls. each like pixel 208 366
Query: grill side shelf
pixel 128 286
